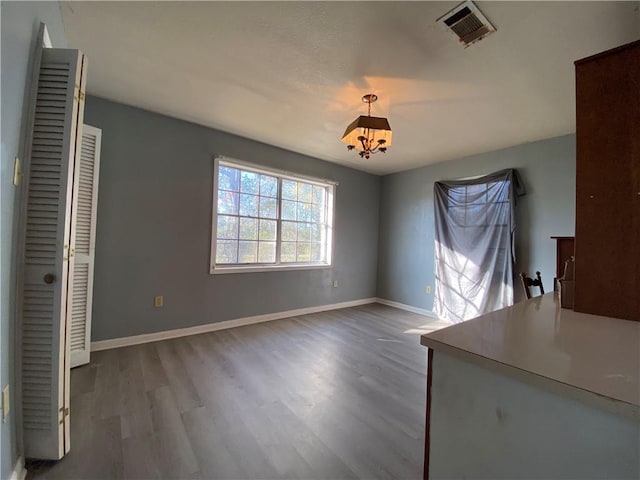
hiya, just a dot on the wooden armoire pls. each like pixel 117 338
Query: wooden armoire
pixel 607 239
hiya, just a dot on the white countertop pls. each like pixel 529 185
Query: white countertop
pixel 588 357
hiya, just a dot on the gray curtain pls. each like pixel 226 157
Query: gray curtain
pixel 474 236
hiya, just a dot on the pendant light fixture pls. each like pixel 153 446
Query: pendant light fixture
pixel 368 134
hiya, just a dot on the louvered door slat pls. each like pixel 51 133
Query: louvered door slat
pixel 47 229
pixel 79 308
pixel 85 207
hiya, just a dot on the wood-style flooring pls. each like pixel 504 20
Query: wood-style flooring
pixel 331 395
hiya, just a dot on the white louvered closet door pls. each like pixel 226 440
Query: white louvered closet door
pixel 45 279
pixel 84 243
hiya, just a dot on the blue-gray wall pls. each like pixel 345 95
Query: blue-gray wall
pixel 20 24
pixel 406 241
pixel 154 228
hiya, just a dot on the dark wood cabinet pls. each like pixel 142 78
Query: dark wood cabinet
pixel 607 238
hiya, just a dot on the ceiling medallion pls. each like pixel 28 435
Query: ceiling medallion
pixel 368 134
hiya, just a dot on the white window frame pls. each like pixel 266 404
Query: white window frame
pixel 330 185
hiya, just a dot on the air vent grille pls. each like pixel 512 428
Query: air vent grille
pixel 467 23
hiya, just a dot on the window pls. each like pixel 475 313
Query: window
pixel 474 225
pixel 480 208
pixel 265 219
pixel 479 205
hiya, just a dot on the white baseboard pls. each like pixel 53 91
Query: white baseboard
pixel 408 308
pixel 212 327
pixel 19 472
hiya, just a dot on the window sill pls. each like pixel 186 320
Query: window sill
pixel 271 268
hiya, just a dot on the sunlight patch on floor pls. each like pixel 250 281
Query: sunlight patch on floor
pixel 432 326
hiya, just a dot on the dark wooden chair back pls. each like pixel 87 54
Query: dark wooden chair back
pixel 528 282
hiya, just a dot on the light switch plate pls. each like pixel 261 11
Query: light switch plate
pixel 158 301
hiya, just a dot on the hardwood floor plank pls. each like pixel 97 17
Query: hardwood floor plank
pixel 135 407
pixel 171 441
pixel 141 457
pixel 84 379
pixel 185 393
pixel 107 386
pixel 330 395
pixel 209 445
pixel 308 445
pixel 153 373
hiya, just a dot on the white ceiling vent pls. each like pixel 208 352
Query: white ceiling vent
pixel 467 23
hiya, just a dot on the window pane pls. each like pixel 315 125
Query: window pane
pixel 288 210
pixel 457 215
pixel 289 231
pixel 228 178
pixel 477 193
pixel 288 252
pixel 226 251
pixel 304 232
pixel 498 191
pixel 498 214
pixel 304 252
pixel 227 227
pixel 227 202
pixel 477 214
pixel 305 212
pixel 266 252
pixel 473 237
pixel 247 252
pixel 268 230
pixel 268 186
pixel 248 229
pixel 456 196
pixel 318 194
pixel 249 182
pixel 249 205
pixel 268 207
pixel 305 192
pixel 316 252
pixel 316 233
pixel 289 189
pixel 317 213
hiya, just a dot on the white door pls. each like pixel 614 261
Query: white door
pixel 83 244
pixel 43 282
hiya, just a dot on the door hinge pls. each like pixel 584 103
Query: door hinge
pixel 64 411
pixel 78 94
pixel 17 171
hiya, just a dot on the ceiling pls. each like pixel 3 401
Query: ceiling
pixel 292 74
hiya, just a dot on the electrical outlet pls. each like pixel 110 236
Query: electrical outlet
pixel 428 289
pixel 6 399
pixel 158 301
pixel 335 284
